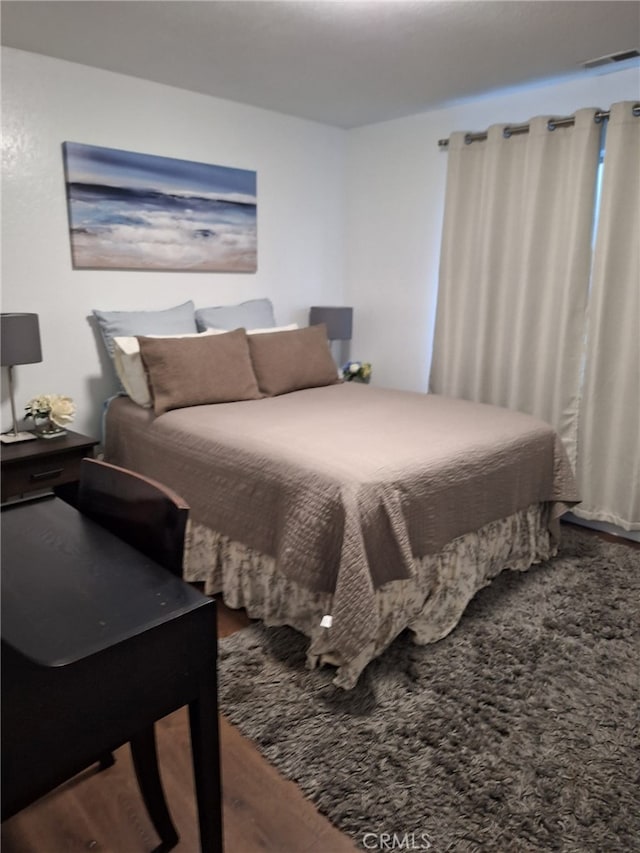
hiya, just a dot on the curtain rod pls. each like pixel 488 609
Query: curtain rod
pixel 515 129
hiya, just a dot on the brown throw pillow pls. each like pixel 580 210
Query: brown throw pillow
pixel 291 361
pixel 196 371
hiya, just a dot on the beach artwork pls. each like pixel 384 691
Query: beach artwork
pixel 143 212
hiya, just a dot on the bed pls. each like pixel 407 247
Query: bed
pixel 350 512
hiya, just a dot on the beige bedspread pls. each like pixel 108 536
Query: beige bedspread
pixel 344 485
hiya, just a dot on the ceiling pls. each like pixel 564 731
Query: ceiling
pixel 341 62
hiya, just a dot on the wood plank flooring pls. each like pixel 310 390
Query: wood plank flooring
pixel 103 811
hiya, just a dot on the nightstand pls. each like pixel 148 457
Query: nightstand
pixel 36 466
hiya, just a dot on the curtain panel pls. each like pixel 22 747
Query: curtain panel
pixel 514 270
pixel 609 433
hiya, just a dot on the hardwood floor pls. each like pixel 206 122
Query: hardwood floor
pixel 103 812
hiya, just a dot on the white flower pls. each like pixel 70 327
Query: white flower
pixel 62 410
pixel 38 406
pixel 354 367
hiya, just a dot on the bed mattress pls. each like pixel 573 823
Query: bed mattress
pixel 344 487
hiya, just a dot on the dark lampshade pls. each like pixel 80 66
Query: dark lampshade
pixel 19 339
pixel 339 321
pixel 19 344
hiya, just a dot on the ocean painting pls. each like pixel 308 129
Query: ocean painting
pixel 144 212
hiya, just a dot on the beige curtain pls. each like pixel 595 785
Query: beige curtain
pixel 609 434
pixel 514 270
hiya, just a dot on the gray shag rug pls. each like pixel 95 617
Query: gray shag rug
pixel 518 732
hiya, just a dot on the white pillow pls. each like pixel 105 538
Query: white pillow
pixel 130 369
pixel 289 328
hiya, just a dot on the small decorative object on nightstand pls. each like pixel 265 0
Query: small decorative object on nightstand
pixel 51 414
pixel 37 466
pixel 357 371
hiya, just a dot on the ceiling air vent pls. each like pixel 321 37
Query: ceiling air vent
pixel 612 57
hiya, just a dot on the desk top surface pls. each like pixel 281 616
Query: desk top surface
pixel 71 589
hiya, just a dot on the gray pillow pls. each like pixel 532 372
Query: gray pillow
pixel 253 314
pixel 172 321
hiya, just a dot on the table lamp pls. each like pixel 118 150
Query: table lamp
pixel 19 344
pixel 338 320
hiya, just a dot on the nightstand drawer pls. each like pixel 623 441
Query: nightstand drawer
pixel 41 474
pixel 43 464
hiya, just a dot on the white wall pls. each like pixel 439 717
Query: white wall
pixel 301 181
pixel 395 197
pixel 343 217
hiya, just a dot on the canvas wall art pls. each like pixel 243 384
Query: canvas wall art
pixel 144 212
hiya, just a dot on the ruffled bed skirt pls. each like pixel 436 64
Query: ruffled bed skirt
pixel 429 604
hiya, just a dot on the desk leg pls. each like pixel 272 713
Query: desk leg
pixel 205 748
pixel 145 762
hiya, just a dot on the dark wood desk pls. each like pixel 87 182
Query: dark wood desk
pixel 98 642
